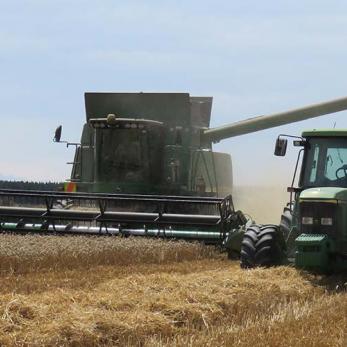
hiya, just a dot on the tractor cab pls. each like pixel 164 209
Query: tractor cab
pixel 325 160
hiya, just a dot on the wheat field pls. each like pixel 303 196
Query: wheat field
pixel 111 291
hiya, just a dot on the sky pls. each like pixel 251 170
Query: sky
pixel 253 57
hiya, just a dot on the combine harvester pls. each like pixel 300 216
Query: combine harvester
pixel 145 166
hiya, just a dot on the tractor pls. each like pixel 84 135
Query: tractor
pixel 312 232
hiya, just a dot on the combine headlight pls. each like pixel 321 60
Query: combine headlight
pixel 326 221
pixel 307 220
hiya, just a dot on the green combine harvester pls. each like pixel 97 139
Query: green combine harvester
pixel 145 166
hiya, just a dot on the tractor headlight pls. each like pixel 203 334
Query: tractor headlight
pixel 307 220
pixel 326 221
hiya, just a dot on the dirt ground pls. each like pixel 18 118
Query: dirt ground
pixel 78 291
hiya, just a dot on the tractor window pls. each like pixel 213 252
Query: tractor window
pixel 313 174
pixel 325 163
pixel 335 158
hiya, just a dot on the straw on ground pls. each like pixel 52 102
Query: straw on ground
pixel 80 291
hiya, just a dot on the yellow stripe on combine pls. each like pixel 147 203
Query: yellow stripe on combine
pixel 70 187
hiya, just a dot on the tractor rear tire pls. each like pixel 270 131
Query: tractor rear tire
pixel 268 249
pixel 248 247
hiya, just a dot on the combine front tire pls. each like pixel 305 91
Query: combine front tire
pixel 268 249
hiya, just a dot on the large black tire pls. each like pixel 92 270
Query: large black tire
pixel 288 233
pixel 248 247
pixel 268 248
pixel 261 247
pixel 286 222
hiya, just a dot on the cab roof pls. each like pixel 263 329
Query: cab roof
pixel 325 133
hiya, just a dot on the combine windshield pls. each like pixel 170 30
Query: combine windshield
pixel 129 155
pixel 325 163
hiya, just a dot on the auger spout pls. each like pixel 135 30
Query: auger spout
pixel 273 120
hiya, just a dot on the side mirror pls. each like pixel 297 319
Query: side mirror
pixel 281 147
pixel 57 135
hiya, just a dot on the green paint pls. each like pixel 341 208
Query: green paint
pixel 313 252
pixel 325 133
pixel 328 193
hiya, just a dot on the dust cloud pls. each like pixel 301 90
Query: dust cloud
pixel 265 199
pixel 263 203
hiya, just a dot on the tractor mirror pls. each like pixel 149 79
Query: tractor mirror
pixel 57 135
pixel 281 147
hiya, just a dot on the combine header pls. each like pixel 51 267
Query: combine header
pixel 145 166
pixel 112 214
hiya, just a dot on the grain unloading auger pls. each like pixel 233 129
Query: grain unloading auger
pixel 145 166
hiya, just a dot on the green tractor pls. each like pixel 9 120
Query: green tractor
pixel 313 229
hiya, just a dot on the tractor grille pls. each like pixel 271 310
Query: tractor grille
pixel 317 211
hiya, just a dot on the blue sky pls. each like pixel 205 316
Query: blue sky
pixel 253 57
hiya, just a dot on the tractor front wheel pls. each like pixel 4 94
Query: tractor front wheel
pixel 248 246
pixel 261 247
pixel 268 248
